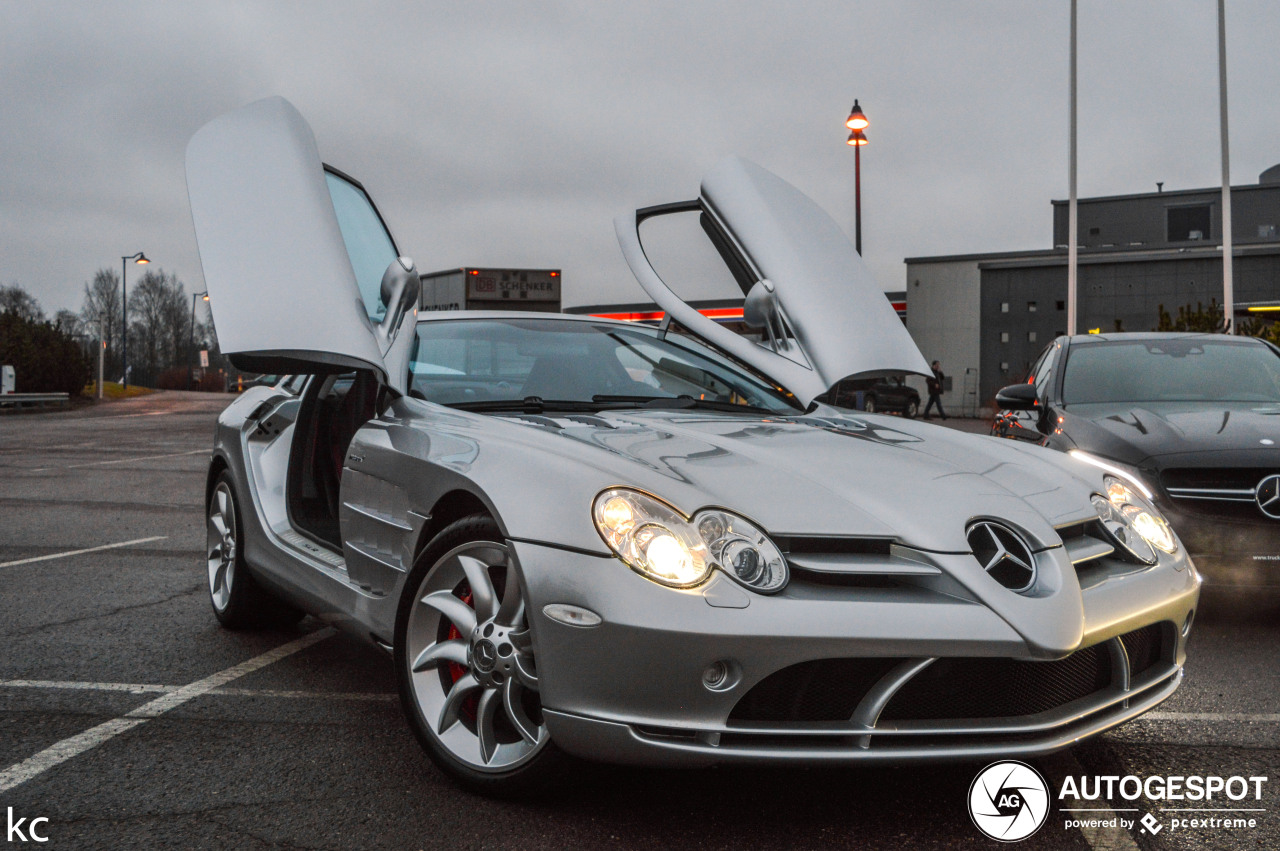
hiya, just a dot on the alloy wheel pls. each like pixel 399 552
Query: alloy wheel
pixel 471 662
pixel 222 545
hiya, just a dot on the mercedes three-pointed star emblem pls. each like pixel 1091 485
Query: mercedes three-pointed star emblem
pixel 1268 496
pixel 1003 554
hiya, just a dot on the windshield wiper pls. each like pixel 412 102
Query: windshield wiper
pixel 527 405
pixel 679 402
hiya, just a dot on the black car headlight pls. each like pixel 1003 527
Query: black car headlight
pixel 659 542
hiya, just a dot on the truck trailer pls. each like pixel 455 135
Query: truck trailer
pixel 475 288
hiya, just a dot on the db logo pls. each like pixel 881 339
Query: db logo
pixel 1008 801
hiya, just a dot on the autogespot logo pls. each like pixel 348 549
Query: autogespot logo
pixel 1008 801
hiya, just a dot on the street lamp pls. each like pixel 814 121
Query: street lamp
pixel 191 341
pixel 857 122
pixel 141 260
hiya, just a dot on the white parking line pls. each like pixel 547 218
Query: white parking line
pixel 1261 718
pixel 122 460
pixel 59 753
pixel 148 688
pixel 85 550
pixel 127 416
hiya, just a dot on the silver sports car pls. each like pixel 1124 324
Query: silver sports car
pixel 651 545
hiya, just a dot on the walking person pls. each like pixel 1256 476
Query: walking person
pixel 935 385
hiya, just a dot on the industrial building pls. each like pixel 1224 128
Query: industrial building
pixel 987 316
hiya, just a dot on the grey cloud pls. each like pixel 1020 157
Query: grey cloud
pixel 511 133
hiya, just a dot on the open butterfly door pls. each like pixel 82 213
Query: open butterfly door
pixel 821 315
pixel 296 257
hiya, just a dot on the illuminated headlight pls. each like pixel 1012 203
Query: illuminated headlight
pixel 1133 521
pixel 659 542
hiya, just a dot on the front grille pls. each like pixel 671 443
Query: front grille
pixel 1221 509
pixel 1211 478
pixel 805 545
pixel 999 688
pixel 821 690
pixel 950 688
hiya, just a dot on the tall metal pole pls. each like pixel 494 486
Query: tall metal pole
pixel 1072 220
pixel 102 347
pixel 124 322
pixel 857 198
pixel 1228 282
pixel 191 337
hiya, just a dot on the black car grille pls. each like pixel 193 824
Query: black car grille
pixel 821 690
pixel 999 688
pixel 1232 478
pixel 950 688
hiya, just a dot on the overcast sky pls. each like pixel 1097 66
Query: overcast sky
pixel 510 134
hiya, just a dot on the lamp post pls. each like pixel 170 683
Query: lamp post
pixel 103 319
pixel 857 122
pixel 141 260
pixel 191 341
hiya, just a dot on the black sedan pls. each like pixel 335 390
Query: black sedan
pixel 884 395
pixel 1195 418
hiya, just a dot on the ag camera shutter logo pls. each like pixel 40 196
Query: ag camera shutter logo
pixel 1008 801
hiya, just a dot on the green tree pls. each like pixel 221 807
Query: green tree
pixel 14 299
pixel 44 358
pixel 1207 320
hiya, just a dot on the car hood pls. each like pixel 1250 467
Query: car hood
pixel 830 474
pixel 1153 430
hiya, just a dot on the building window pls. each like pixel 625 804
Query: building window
pixel 1031 307
pixel 1188 223
pixel 1004 307
pixel 1062 305
pixel 1094 231
pixel 1004 336
pixel 1267 231
pixel 1031 336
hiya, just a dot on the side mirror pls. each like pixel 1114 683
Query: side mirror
pixel 760 310
pixel 1017 397
pixel 401 289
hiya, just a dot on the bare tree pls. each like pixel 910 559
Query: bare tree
pixel 157 314
pixel 69 323
pixel 14 299
pixel 101 312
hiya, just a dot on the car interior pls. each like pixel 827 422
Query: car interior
pixel 334 407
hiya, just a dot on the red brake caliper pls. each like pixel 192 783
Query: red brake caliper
pixel 456 671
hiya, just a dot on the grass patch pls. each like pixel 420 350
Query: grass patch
pixel 115 390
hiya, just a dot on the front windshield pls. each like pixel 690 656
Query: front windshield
pixel 486 362
pixel 1195 369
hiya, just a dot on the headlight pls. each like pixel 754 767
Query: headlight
pixel 657 541
pixel 1120 471
pixel 1134 522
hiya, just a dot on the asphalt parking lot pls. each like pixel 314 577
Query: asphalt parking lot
pixel 129 718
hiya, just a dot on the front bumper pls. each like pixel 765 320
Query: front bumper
pixel 632 688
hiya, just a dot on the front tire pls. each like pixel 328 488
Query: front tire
pixel 912 410
pixel 238 601
pixel 465 664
